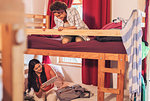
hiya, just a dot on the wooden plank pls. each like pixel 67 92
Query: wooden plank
pixel 120 77
pixel 35 16
pixel 88 55
pixel 111 56
pixel 110 70
pixel 34 24
pixel 12 64
pixel 110 90
pixel 47 22
pixel 101 78
pixel 7 63
pixel 74 54
pixel 74 32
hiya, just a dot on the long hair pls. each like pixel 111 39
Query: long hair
pixel 32 76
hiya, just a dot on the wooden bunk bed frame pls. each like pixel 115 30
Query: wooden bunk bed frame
pixel 11 65
pixel 101 57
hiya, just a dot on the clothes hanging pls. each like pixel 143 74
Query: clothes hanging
pixel 132 40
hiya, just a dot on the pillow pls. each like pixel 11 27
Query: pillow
pixel 60 79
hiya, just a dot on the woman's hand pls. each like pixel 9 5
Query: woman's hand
pixel 60 28
pixel 40 92
pixel 43 87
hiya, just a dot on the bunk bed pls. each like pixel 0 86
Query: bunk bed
pixel 38 44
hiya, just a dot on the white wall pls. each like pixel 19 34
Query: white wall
pixel 35 6
pixel 123 8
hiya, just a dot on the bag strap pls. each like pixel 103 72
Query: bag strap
pixel 82 90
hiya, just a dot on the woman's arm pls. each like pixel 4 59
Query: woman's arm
pixel 52 73
pixel 39 93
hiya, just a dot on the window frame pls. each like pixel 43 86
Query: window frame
pixel 72 64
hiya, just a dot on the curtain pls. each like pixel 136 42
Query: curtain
pixel 46 59
pixel 96 14
pixel 144 64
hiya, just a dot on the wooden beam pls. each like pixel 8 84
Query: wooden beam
pixel 110 90
pixel 74 32
pixel 74 54
pixel 12 64
pixel 7 63
pixel 12 17
pixel 120 77
pixel 101 78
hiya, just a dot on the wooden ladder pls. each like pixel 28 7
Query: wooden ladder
pixel 120 70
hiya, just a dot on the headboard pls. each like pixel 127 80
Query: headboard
pixel 37 21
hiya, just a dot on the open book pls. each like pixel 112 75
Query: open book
pixel 50 81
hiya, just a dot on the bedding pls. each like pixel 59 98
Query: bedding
pixel 39 42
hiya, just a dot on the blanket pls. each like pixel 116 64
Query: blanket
pixel 132 40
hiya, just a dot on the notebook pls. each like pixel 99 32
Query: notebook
pixel 50 81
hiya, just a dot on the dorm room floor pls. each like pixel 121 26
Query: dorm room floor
pixel 108 96
pixel 93 89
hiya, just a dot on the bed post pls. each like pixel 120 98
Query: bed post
pixel 47 22
pixel 12 64
pixel 7 63
pixel 13 47
pixel 101 78
pixel 120 76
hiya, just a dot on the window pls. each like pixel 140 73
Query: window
pixel 78 5
pixel 76 62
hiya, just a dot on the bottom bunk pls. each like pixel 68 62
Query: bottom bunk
pixel 102 51
pixel 61 82
pixel 102 57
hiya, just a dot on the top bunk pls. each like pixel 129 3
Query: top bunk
pixel 41 43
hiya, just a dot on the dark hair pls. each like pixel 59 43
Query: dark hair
pixel 58 5
pixel 32 76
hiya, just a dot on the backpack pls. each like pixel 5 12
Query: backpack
pixel 69 93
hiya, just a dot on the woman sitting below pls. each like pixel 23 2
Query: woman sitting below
pixel 68 18
pixel 37 75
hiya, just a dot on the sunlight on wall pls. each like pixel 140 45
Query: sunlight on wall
pixel 123 8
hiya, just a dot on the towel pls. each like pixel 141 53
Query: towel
pixel 132 40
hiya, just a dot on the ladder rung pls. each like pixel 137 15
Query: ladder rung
pixel 109 70
pixel 110 90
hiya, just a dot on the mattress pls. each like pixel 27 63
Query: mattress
pixel 40 42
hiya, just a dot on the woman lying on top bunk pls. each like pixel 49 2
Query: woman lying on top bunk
pixel 67 18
